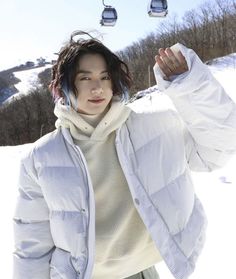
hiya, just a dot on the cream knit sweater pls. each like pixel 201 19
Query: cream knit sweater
pixel 123 245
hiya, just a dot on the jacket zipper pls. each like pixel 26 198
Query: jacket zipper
pixel 91 217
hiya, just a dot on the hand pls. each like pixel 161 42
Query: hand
pixel 171 64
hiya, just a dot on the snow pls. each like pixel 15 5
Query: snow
pixel 28 78
pixel 217 193
pixel 216 190
pixel 224 70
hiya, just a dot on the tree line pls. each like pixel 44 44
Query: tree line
pixel 27 118
pixel 209 30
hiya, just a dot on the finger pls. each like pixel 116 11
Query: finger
pixel 179 62
pixel 182 60
pixel 162 52
pixel 168 60
pixel 163 55
pixel 173 57
pixel 181 56
pixel 166 71
pixel 161 63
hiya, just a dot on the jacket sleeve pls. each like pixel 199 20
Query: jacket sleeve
pixel 207 112
pixel 32 238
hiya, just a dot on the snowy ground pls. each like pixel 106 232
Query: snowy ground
pixel 28 78
pixel 217 191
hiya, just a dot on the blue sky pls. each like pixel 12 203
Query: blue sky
pixel 33 28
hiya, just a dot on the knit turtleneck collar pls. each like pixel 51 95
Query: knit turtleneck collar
pixel 78 124
pixel 94 119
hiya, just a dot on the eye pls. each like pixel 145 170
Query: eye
pixel 84 78
pixel 106 78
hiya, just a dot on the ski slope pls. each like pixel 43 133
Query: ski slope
pixel 217 191
pixel 28 78
pixel 28 81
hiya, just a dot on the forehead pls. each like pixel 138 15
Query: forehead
pixel 92 62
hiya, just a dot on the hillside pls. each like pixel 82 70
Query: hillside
pixel 11 79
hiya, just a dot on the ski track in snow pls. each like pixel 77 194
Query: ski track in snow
pixel 28 78
pixel 216 190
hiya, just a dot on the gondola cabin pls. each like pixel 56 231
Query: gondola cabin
pixel 157 8
pixel 109 16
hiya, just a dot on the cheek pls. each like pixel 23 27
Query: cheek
pixel 81 87
pixel 82 97
pixel 111 93
pixel 109 88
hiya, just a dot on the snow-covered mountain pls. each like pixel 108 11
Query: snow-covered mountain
pixel 217 191
pixel 28 80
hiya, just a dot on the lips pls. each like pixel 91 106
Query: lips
pixel 96 101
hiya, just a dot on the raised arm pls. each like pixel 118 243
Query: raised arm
pixel 208 113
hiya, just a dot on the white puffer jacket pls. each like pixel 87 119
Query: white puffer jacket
pixel 54 220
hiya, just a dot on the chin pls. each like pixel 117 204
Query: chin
pixel 94 111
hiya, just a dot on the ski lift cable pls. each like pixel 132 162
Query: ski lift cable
pixel 105 4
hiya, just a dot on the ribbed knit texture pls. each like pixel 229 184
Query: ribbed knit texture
pixel 123 245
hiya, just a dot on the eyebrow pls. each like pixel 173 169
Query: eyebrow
pixel 89 72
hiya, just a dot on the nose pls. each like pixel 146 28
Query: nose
pixel 96 88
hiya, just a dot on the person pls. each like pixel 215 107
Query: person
pixel 108 193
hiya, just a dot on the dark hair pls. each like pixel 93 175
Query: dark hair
pixel 65 68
